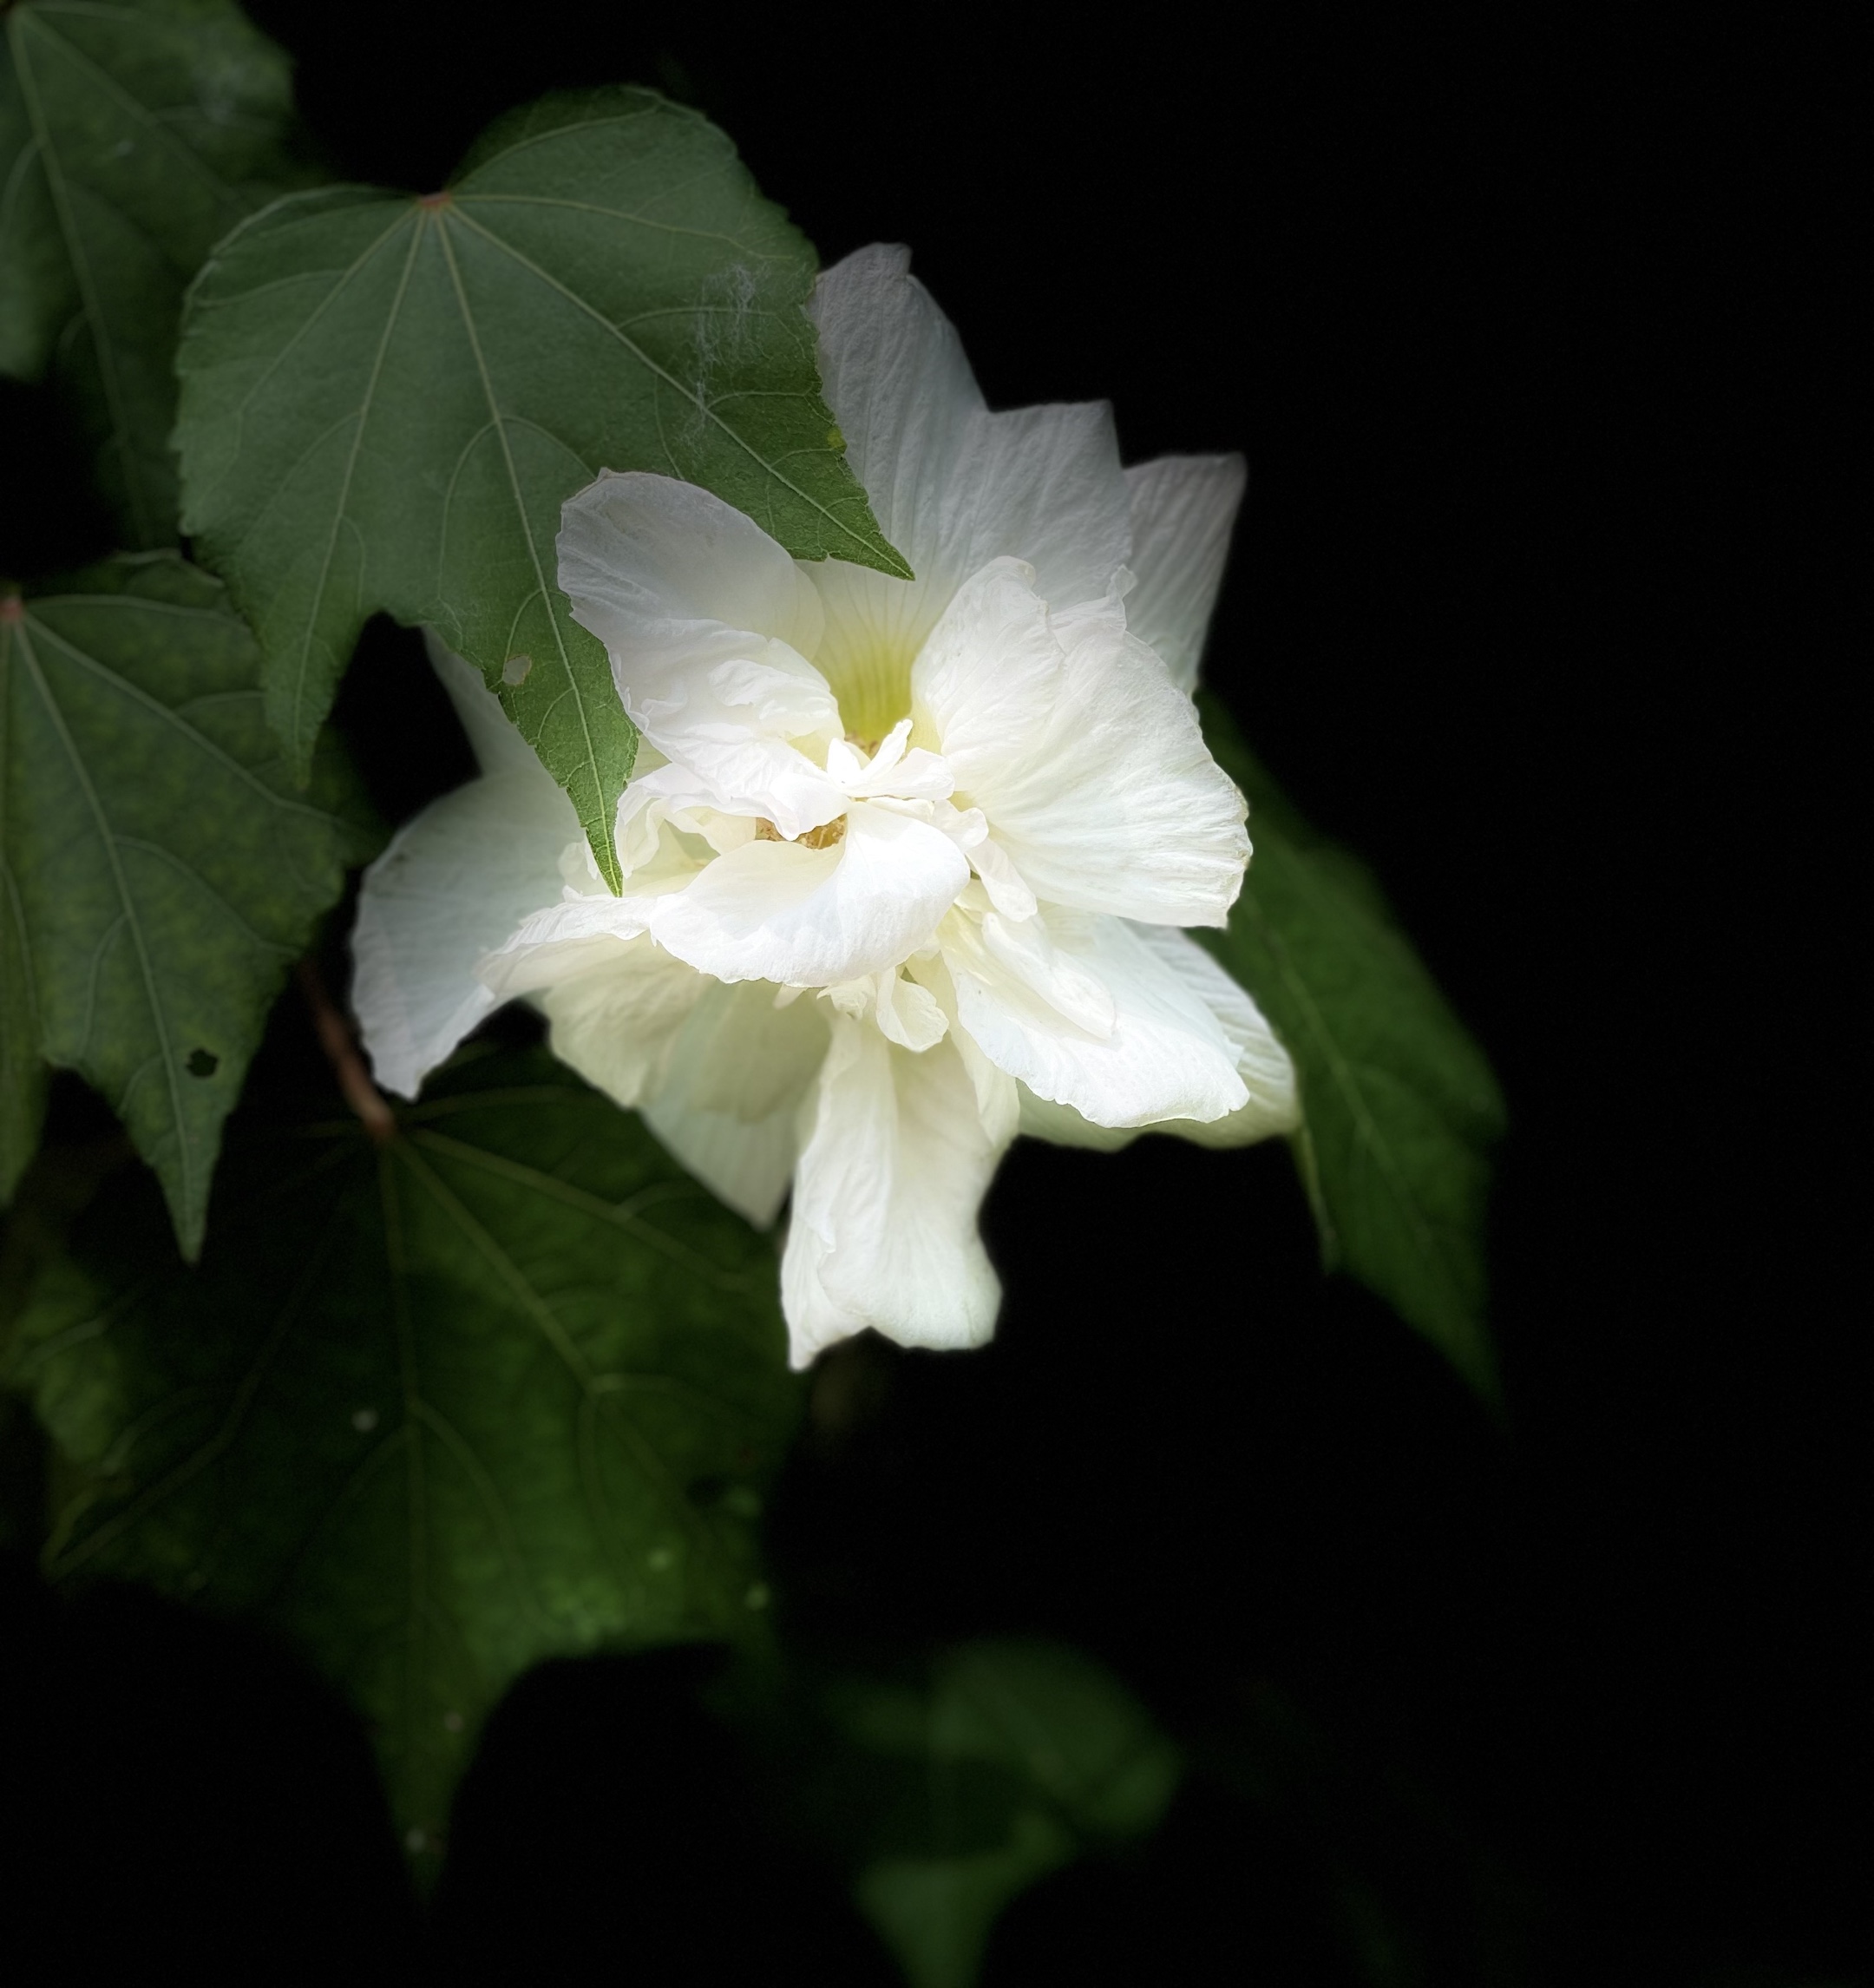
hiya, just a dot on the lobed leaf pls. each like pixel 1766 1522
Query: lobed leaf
pixel 386 401
pixel 502 1389
pixel 1399 1106
pixel 133 136
pixel 953 1794
pixel 158 871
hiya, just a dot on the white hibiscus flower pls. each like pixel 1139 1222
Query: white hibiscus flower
pixel 906 862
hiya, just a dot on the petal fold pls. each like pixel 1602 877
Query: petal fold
pixel 453 885
pixel 1163 1051
pixel 1271 1106
pixel 952 484
pixel 1086 758
pixel 709 626
pixel 809 917
pixel 894 1162
pixel 1184 509
pixel 728 1102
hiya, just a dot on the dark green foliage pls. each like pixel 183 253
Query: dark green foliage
pixel 950 1794
pixel 1400 1108
pixel 386 401
pixel 159 871
pixel 503 1389
pixel 132 138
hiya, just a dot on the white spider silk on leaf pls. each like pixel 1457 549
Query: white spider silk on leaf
pixel 906 862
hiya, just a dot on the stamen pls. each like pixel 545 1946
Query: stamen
pixel 824 836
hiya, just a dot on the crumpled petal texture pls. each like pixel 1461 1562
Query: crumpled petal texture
pixel 907 863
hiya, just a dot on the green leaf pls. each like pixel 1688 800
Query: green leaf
pixel 386 401
pixel 955 1794
pixel 133 136
pixel 1399 1105
pixel 504 1389
pixel 160 872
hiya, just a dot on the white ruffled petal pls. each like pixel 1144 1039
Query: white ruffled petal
pixel 718 1071
pixel 640 552
pixel 453 885
pixel 1086 758
pixel 808 917
pixel 1163 1054
pixel 617 1022
pixel 907 1014
pixel 899 385
pixel 952 485
pixel 727 1102
pixel 586 927
pixel 894 1162
pixel 1273 1106
pixel 1183 509
pixel 1061 1125
pixel 708 625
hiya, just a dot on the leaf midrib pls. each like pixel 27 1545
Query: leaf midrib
pixel 101 79
pixel 695 400
pixel 81 266
pixel 302 753
pixel 106 835
pixel 614 877
pixel 158 709
pixel 1354 1098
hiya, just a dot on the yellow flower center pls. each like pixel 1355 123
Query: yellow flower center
pixel 870 676
pixel 824 836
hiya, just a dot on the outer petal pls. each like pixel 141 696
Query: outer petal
pixel 1061 1125
pixel 1069 735
pixel 581 932
pixel 1262 1062
pixel 454 884
pixel 728 1102
pixel 893 1166
pixel 1163 1054
pixel 900 388
pixel 719 1072
pixel 708 624
pixel 952 484
pixel 617 1022
pixel 806 917
pixel 1183 509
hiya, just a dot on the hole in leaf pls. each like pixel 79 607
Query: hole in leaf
pixel 514 670
pixel 203 1063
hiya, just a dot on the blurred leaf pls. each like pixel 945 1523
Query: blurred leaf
pixel 1400 1108
pixel 133 136
pixel 159 870
pixel 386 401
pixel 501 1390
pixel 954 1796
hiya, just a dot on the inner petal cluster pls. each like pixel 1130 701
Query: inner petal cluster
pixel 906 861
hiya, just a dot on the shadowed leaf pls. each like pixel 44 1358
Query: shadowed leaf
pixel 386 401
pixel 158 872
pixel 1399 1106
pixel 133 136
pixel 502 1389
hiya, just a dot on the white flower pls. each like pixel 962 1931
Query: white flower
pixel 905 861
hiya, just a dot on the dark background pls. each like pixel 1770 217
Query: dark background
pixel 1533 340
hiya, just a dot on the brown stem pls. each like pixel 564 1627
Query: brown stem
pixel 335 1039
